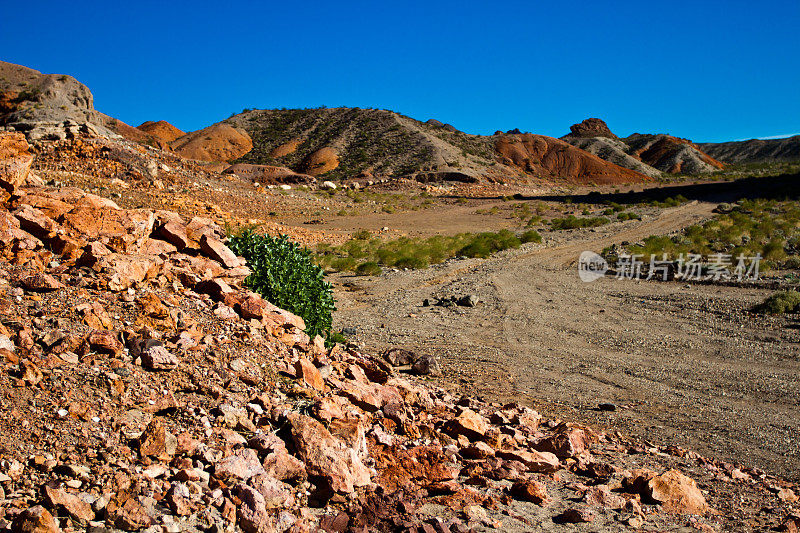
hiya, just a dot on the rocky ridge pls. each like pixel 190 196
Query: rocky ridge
pixel 146 389
pixel 648 154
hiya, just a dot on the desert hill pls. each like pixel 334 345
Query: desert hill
pixel 161 129
pixel 348 142
pixel 755 150
pixel 649 154
pixel 47 106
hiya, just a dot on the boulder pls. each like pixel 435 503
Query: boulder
pixel 327 456
pixel 35 519
pixel 15 160
pixel 676 493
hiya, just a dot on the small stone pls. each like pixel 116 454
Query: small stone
pixel 576 516
pixel 41 283
pixel 306 371
pixel 157 442
pixel 158 358
pixel 531 491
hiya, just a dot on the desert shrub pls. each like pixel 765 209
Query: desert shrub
pixel 628 216
pixel 672 201
pixel 411 262
pixel 368 268
pixel 485 244
pixel 283 273
pixel 362 235
pixel 573 222
pixel 780 303
pixel 530 236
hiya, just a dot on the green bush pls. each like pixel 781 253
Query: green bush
pixel 573 222
pixel 370 268
pixel 283 272
pixel 780 303
pixel 485 244
pixel 530 236
pixel 628 216
pixel 411 262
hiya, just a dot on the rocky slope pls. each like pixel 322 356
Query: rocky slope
pixel 348 142
pixel 545 156
pixel 146 389
pixel 755 150
pixel 645 153
pixel 47 106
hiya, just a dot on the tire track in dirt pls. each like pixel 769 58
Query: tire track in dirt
pixel 699 371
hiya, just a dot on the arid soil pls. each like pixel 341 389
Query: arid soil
pixel 684 364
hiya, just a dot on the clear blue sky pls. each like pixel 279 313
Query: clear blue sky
pixel 709 71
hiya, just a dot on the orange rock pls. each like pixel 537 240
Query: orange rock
pixel 677 493
pixel 309 374
pixel 15 160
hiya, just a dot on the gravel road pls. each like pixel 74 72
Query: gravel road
pixel 684 364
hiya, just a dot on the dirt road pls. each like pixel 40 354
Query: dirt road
pixel 684 364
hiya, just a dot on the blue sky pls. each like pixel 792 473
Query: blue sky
pixel 709 71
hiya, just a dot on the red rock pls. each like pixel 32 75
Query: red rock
pixel 252 513
pixel 105 341
pixel 157 441
pixel 158 358
pixel 132 516
pixel 539 462
pixel 468 423
pixel 568 443
pixel 35 519
pixel 241 465
pixel 601 496
pixel 676 493
pixel 93 252
pixel 576 516
pixel 283 466
pixel 124 271
pixel 309 374
pixel 36 223
pixel 123 230
pixel 31 374
pixel 175 234
pixel 326 456
pixel 15 160
pixel 41 283
pixel 548 157
pixel 479 450
pixel 77 508
pixel 216 250
pixel 364 395
pixel 592 127
pixel 253 306
pixel 216 288
pixel 277 495
pixel 531 491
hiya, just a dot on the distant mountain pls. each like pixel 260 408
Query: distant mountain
pixel 755 150
pixel 649 154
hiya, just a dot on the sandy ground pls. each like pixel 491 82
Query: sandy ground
pixel 685 364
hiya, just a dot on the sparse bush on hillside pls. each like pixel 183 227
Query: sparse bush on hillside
pixel 283 273
pixel 768 228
